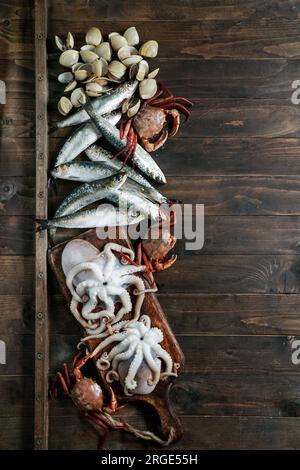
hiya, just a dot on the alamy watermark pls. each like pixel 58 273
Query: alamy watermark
pixel 184 221
pixel 2 352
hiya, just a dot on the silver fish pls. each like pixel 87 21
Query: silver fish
pixel 82 138
pixel 103 105
pixel 98 154
pixel 86 194
pixel 132 199
pixel 83 172
pixel 105 215
pixel 142 159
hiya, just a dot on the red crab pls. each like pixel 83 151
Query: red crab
pixel 158 118
pixel 87 394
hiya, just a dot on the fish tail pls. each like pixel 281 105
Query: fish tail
pixel 42 224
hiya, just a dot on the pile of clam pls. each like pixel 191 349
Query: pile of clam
pixel 99 65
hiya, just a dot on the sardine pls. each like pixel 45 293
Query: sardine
pixel 132 199
pixel 82 138
pixel 103 105
pixel 142 159
pixel 105 215
pixel 83 172
pixel 98 154
pixel 86 194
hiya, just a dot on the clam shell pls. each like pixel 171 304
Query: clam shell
pixel 131 35
pixel 100 67
pixel 70 41
pixel 81 75
pixel 142 70
pixel 149 49
pixel 93 89
pixel 76 97
pixel 153 73
pixel 133 59
pixel 117 69
pixel 69 58
pixel 104 50
pixel 133 71
pixel 64 106
pixel 88 56
pixel 76 66
pixel 147 88
pixel 70 86
pixel 87 47
pixel 93 36
pixel 65 77
pixel 59 43
pixel 134 107
pixel 126 51
pixel 117 41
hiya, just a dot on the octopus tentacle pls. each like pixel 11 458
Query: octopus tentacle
pixel 152 364
pixel 146 320
pixel 129 269
pixel 136 281
pixel 81 287
pixel 119 248
pixel 165 356
pixel 120 347
pixel 123 356
pixel 89 266
pixel 108 341
pixel 104 332
pixel 74 310
pixel 126 303
pixel 133 368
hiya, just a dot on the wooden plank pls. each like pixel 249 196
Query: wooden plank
pixel 16 235
pixel 206 156
pixel 223 235
pixel 41 302
pixel 223 195
pixel 212 433
pixel 199 274
pixel 202 314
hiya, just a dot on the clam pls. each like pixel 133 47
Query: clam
pixel 69 58
pixel 147 88
pixel 70 86
pixel 113 79
pixel 93 89
pixel 101 80
pixel 65 77
pixel 125 106
pixel 133 71
pixel 76 66
pixel 142 70
pixel 133 59
pixel 70 41
pixel 100 67
pixel 93 36
pixel 104 51
pixel 117 41
pixel 126 51
pixel 88 56
pixel 131 36
pixel 133 108
pixel 81 75
pixel 153 73
pixel 87 47
pixel 116 69
pixel 59 43
pixel 149 49
pixel 78 97
pixel 64 106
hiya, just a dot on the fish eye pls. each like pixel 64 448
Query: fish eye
pixel 130 83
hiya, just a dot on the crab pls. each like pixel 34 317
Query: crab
pixel 158 118
pixel 87 394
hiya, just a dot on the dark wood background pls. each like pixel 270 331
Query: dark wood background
pixel 234 306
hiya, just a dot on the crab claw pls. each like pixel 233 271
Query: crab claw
pixel 159 142
pixel 175 117
pixel 160 265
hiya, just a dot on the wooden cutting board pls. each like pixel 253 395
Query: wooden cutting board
pixel 159 398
